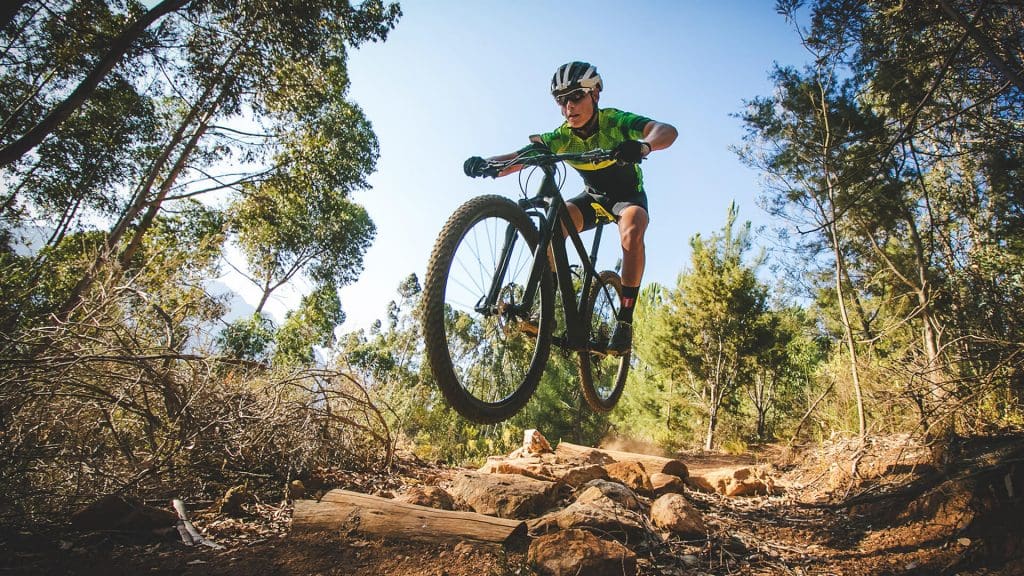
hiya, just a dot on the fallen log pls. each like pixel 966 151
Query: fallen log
pixel 352 512
pixel 651 464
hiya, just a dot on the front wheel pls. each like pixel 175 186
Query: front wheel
pixel 602 376
pixel 487 347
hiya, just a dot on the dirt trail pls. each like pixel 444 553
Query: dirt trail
pixel 846 508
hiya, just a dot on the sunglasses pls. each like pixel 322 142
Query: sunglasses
pixel 574 96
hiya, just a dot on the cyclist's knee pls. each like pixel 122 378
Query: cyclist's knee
pixel 632 238
pixel 632 227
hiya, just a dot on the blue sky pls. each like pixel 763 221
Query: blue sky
pixel 457 79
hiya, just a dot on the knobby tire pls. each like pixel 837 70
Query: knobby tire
pixel 450 327
pixel 602 377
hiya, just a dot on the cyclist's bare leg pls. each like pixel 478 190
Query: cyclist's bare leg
pixel 632 226
pixel 633 222
pixel 575 215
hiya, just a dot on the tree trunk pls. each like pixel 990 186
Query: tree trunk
pixel 341 511
pixel 155 205
pixel 650 464
pixel 202 107
pixel 848 335
pixel 1014 76
pixel 118 48
pixel 709 438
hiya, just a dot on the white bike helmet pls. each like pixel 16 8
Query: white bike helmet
pixel 573 76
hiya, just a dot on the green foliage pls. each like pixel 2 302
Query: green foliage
pixel 312 324
pixel 711 325
pixel 654 407
pixel 898 149
pixel 247 338
pixel 223 122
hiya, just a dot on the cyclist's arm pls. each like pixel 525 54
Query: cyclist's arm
pixel 506 157
pixel 659 135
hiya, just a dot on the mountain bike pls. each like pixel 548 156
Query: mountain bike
pixel 489 298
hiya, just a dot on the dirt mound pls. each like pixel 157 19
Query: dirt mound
pixel 847 507
pixel 974 508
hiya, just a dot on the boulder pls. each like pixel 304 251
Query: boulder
pixel 429 496
pixel 744 481
pixel 667 484
pixel 504 495
pixel 631 474
pixel 580 475
pixel 534 443
pixel 574 552
pixel 674 513
pixel 575 455
pixel 603 516
pixel 529 466
pixel 618 493
pixel 651 464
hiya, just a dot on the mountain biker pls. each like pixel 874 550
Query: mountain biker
pixel 612 189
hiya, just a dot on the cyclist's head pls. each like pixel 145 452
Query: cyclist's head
pixel 576 87
pixel 575 76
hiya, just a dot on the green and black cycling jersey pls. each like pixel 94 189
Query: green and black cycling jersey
pixel 609 178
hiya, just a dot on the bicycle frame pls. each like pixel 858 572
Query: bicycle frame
pixel 555 217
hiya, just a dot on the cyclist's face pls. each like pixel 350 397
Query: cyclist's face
pixel 577 107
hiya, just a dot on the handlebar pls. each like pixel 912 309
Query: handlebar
pixel 542 158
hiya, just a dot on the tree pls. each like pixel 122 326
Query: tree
pixel 892 148
pixel 656 407
pixel 707 332
pixel 118 48
pixel 311 324
pixel 278 67
pixel 784 368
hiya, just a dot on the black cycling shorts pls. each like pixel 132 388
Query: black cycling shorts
pixel 604 209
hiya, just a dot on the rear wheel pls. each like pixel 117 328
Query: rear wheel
pixel 602 376
pixel 487 360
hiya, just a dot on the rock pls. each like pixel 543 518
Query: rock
pixel 503 495
pixel 535 443
pixel 621 495
pixel 234 500
pixel 745 481
pixel 429 496
pixel 651 464
pixel 750 482
pixel 113 512
pixel 574 552
pixel 529 466
pixel 296 489
pixel 674 513
pixel 603 516
pixel 581 455
pixel 667 484
pixel 580 475
pixel 631 474
pixel 700 483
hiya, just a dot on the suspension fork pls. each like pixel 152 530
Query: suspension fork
pixel 486 304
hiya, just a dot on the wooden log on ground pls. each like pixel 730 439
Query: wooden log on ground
pixel 651 464
pixel 352 512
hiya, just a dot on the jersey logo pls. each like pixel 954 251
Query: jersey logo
pixel 602 214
